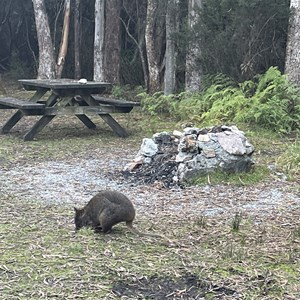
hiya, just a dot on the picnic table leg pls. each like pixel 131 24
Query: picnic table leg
pixel 14 119
pixel 114 125
pixel 86 121
pixel 38 126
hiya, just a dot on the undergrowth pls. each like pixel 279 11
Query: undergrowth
pixel 268 100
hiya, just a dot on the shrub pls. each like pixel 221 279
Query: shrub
pixel 268 100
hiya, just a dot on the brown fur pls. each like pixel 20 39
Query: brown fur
pixel 105 210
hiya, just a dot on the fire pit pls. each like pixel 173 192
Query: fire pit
pixel 175 158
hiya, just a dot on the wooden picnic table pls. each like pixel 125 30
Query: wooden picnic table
pixel 66 97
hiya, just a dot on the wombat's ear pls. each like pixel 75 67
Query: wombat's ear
pixel 76 210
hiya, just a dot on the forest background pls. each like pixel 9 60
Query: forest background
pixel 234 37
pixel 204 61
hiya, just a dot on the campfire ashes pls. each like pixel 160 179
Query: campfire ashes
pixel 176 158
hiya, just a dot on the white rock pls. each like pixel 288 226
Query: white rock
pixel 177 133
pixel 148 147
pixel 203 138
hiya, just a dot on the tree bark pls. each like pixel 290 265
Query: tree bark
pixel 46 67
pixel 112 48
pixel 99 74
pixel 170 70
pixel 193 71
pixel 292 59
pixel 153 62
pixel 77 73
pixel 64 40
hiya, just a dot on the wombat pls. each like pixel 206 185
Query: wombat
pixel 105 210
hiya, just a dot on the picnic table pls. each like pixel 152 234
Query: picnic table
pixel 66 97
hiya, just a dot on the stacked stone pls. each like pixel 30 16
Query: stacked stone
pixel 194 152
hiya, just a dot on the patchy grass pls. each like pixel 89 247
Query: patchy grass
pixel 289 161
pixel 258 174
pixel 42 257
pixel 216 257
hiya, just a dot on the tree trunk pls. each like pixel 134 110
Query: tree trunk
pixel 77 73
pixel 170 71
pixel 99 74
pixel 193 71
pixel 112 48
pixel 153 62
pixel 64 40
pixel 46 58
pixel 292 59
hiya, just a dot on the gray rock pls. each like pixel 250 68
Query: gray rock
pixel 148 148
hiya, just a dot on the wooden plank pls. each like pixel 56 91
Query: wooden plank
pixel 10 102
pixel 116 102
pixel 81 110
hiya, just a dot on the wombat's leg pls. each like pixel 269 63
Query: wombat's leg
pixel 105 221
pixel 106 229
pixel 98 229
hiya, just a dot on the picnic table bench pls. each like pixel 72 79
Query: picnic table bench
pixel 67 97
pixel 9 102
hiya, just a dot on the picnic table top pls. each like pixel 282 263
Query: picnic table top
pixel 63 83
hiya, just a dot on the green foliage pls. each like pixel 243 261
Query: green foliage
pixel 268 100
pixel 158 103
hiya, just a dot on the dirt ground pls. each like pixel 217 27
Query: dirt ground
pixel 66 165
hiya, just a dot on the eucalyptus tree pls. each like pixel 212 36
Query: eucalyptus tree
pixel 112 38
pixel 193 71
pixel 64 40
pixel 77 17
pixel 170 54
pixel 292 60
pixel 152 50
pixel 46 67
pixel 99 40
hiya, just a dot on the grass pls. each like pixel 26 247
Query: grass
pixel 42 257
pixel 215 257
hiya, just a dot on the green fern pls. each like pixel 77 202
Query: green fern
pixel 268 100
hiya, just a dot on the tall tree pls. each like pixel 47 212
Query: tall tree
pixel 77 74
pixel 170 69
pixel 46 67
pixel 150 37
pixel 193 70
pixel 64 40
pixel 112 46
pixel 99 74
pixel 292 60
